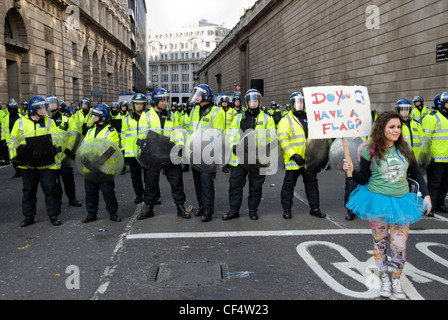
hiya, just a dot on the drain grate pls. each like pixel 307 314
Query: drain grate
pixel 188 274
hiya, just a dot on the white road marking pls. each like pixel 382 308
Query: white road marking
pixel 274 233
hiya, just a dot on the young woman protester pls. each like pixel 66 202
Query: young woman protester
pixel 383 196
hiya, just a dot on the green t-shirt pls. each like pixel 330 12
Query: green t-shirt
pixel 389 177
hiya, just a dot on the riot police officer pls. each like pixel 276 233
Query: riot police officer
pixel 129 133
pixel 37 124
pixel 411 129
pixel 64 123
pixel 162 121
pixel 292 134
pixel 83 117
pixel 251 119
pixel 435 127
pixel 420 110
pixel 205 115
pixel 101 129
pixel 7 124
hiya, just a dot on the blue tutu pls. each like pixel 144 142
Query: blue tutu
pixel 391 210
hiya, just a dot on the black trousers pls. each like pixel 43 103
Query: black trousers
pixel 68 179
pixel 48 182
pixel 350 185
pixel 237 181
pixel 93 196
pixel 136 176
pixel 437 182
pixel 311 188
pixel 173 174
pixel 204 186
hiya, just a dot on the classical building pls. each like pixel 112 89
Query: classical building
pixel 175 56
pixel 397 49
pixel 138 13
pixel 68 48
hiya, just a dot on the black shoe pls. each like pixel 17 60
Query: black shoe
pixel 17 175
pixel 74 203
pixel 186 168
pixel 230 215
pixel 182 213
pixel 138 199
pixel 114 217
pixel 349 216
pixel 430 214
pixel 287 214
pixel 149 213
pixel 158 201
pixel 317 213
pixel 199 211
pixel 29 220
pixel 253 215
pixel 55 221
pixel 91 216
pixel 441 209
pixel 206 217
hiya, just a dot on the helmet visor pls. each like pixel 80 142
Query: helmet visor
pixel 404 110
pixel 297 103
pixel 42 109
pixel 253 100
pixel 196 96
pixel 52 103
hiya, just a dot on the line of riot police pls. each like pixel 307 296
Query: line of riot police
pixel 149 136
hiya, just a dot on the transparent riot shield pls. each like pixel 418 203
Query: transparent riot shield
pixel 155 150
pixel 258 149
pixel 317 154
pixel 424 155
pixel 207 150
pixel 99 160
pixel 72 140
pixel 38 149
pixel 337 154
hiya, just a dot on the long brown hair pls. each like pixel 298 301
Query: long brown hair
pixel 378 143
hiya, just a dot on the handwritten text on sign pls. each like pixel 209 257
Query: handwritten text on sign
pixel 338 112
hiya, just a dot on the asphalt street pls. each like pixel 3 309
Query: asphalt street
pixel 170 258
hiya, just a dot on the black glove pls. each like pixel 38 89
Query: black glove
pixel 234 149
pixel 297 158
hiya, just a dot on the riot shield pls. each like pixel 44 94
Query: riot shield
pixel 316 154
pixel 38 149
pixel 424 155
pixel 72 140
pixel 258 149
pixel 99 160
pixel 337 154
pixel 154 150
pixel 207 150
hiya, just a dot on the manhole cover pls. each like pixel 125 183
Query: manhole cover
pixel 188 274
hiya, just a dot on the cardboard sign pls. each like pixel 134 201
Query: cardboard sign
pixel 338 112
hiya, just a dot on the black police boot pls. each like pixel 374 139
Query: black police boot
pixel 74 203
pixel 29 220
pixel 350 215
pixel 138 199
pixel 230 215
pixel 182 213
pixel 287 214
pixel 253 215
pixel 55 221
pixel 148 213
pixel 199 211
pixel 91 216
pixel 317 213
pixel 114 217
pixel 207 216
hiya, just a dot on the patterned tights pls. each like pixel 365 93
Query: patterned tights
pixel 398 238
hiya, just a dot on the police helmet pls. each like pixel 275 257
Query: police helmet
pixel 102 111
pixel 37 103
pixel 295 99
pixel 139 98
pixel 252 95
pixel 403 105
pixel 204 91
pixel 158 95
pixel 12 104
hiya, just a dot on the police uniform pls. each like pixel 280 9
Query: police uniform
pixel 65 123
pixel 32 176
pixel 435 127
pixel 206 116
pixel 165 123
pixel 292 135
pixel 92 188
pixel 255 120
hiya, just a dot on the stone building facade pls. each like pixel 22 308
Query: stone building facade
pixel 281 46
pixel 68 48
